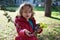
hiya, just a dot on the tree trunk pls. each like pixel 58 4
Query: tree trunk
pixel 48 8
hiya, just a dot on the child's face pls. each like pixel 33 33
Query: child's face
pixel 26 12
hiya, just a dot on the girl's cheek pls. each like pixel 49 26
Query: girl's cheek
pixel 23 14
pixel 30 14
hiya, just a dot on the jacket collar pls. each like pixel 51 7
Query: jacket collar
pixel 22 19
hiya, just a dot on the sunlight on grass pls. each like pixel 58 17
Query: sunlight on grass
pixel 56 14
pixel 8 31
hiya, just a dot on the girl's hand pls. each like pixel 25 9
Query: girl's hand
pixel 28 33
pixel 40 30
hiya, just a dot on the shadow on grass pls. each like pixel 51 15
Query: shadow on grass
pixel 55 18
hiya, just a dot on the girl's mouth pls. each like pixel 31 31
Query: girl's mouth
pixel 27 16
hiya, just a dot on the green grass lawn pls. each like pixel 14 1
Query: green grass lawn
pixel 52 32
pixel 55 12
pixel 14 8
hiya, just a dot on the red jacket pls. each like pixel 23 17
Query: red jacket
pixel 24 24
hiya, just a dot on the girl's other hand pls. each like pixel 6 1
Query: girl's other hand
pixel 40 30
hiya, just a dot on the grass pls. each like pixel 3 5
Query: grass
pixel 15 8
pixel 52 32
pixel 39 8
pixel 56 15
pixel 54 11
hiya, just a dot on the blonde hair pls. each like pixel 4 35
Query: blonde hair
pixel 19 11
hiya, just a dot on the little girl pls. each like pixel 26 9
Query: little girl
pixel 26 23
